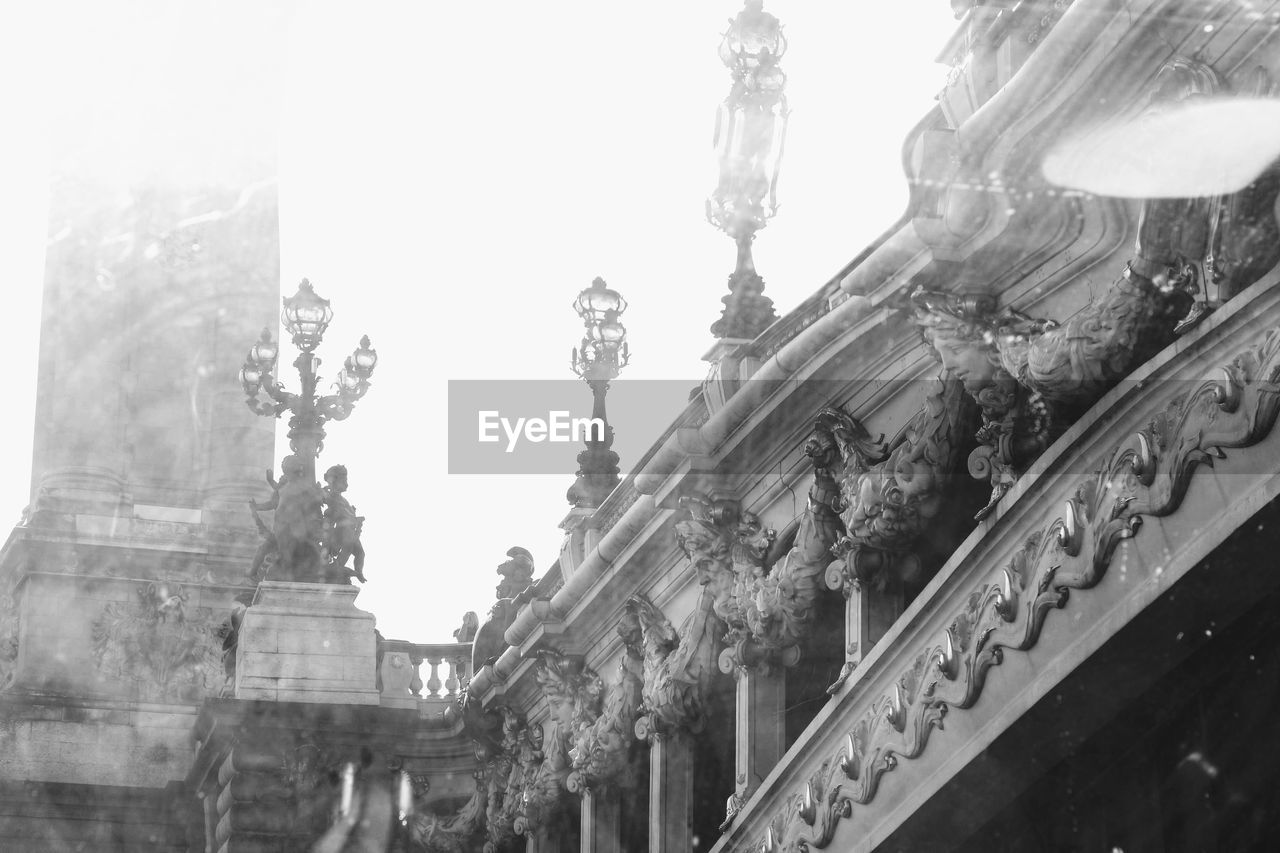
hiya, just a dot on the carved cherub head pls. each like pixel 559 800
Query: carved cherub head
pixel 336 477
pixel 291 467
pixel 163 601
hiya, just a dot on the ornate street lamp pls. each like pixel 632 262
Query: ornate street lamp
pixel 751 126
pixel 598 360
pixel 305 316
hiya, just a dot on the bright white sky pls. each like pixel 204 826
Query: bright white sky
pixel 451 175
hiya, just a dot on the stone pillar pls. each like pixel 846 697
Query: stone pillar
pixel 670 794
pixel 868 616
pixel 760 732
pixel 601 821
pixel 307 642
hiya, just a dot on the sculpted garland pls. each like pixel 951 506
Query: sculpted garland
pixel 1147 476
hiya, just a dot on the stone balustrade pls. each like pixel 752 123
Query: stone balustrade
pixel 401 677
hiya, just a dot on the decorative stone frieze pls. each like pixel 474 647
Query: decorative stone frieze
pixel 1146 476
pixel 155 646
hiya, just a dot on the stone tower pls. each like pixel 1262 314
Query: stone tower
pixel 162 268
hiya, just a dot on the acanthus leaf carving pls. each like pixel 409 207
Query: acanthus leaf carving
pixel 677 667
pixel 599 754
pixel 1147 476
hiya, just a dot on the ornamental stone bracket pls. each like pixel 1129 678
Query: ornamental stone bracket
pixel 891 494
pixel 599 754
pixel 1147 476
pixel 678 667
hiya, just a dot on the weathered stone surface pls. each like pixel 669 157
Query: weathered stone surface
pixel 303 642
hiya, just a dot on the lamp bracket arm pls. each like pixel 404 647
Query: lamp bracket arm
pixel 335 407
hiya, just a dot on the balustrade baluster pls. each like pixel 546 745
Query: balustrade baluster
pixel 451 682
pixel 433 683
pixel 415 684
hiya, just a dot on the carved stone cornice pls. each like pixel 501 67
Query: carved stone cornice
pixel 1146 476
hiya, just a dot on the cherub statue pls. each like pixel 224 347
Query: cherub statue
pixel 297 529
pixel 342 527
pixel 470 624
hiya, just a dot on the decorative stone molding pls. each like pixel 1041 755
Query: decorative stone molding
pixel 1148 475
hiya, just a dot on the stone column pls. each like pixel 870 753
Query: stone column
pixel 868 616
pixel 760 730
pixel 670 794
pixel 601 821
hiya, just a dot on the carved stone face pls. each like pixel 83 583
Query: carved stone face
pixel 972 362
pixel 336 477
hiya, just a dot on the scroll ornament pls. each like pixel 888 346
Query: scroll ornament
pixel 1147 476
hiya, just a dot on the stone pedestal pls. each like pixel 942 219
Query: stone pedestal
pixel 307 642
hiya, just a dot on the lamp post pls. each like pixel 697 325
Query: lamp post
pixel 305 316
pixel 751 126
pixel 598 360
